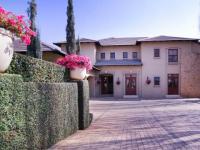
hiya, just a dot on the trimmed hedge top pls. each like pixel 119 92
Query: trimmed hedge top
pixel 36 70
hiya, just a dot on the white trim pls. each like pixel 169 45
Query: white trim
pixel 130 96
pixel 172 96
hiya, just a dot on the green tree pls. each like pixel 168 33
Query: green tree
pixel 38 52
pixel 70 31
pixel 78 46
pixel 34 49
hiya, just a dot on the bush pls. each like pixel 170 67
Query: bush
pixel 36 70
pixel 51 113
pixel 36 115
pixel 12 120
pixel 83 104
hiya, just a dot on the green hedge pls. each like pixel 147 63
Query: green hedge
pixel 85 117
pixel 36 115
pixel 12 119
pixel 36 70
pixel 51 113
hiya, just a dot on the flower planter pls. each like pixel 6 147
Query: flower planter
pixel 78 73
pixel 6 49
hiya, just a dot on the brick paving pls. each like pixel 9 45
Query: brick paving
pixel 139 125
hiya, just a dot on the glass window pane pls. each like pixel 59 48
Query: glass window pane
pixel 125 54
pixel 134 55
pixel 102 55
pixel 156 52
pixel 112 55
pixel 173 55
pixel 156 80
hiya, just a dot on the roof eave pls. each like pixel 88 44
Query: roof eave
pixel 118 65
pixel 168 40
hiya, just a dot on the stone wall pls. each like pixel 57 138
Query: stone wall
pixel 190 71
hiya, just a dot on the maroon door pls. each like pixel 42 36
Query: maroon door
pixel 130 84
pixel 173 84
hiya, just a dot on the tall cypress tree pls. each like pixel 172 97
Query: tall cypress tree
pixel 70 31
pixel 78 45
pixel 34 49
pixel 38 52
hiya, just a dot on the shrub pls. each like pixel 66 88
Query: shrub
pixel 50 115
pixel 36 115
pixel 36 70
pixel 12 120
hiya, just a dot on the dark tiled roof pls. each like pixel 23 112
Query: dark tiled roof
pixel 118 63
pixel 126 41
pixel 166 38
pixel 21 47
pixel 119 41
pixel 82 40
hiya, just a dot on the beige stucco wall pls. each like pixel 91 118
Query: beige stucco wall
pixel 118 51
pixel 190 71
pixel 160 67
pixel 89 50
pixel 119 72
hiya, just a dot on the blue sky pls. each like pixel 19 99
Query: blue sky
pixel 98 19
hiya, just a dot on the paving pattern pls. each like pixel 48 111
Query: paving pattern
pixel 139 125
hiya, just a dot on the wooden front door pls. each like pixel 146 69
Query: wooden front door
pixel 173 84
pixel 106 84
pixel 130 85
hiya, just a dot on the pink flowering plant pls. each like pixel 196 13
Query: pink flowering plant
pixel 16 25
pixel 75 61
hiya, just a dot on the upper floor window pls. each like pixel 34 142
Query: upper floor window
pixel 156 81
pixel 156 53
pixel 103 55
pixel 135 55
pixel 173 55
pixel 112 55
pixel 125 55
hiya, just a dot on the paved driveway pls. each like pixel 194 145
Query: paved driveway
pixel 139 125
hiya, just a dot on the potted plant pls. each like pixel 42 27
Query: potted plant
pixel 98 82
pixel 148 81
pixel 12 26
pixel 78 65
pixel 118 82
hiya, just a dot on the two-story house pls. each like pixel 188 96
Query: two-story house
pixel 157 67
